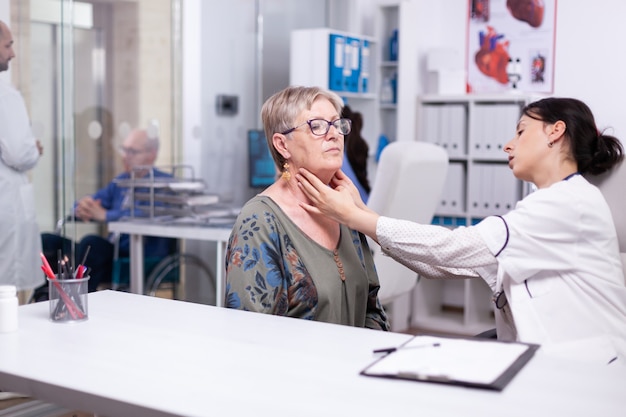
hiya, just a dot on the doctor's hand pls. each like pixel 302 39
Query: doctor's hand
pixel 39 147
pixel 89 209
pixel 340 179
pixel 337 202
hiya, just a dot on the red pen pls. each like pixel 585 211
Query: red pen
pixel 80 270
pixel 47 269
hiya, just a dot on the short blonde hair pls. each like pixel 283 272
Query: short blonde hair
pixel 280 111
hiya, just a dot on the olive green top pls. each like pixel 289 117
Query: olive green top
pixel 273 267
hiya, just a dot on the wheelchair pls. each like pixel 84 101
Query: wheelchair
pixel 163 274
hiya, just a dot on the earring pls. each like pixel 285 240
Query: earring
pixel 286 175
pixel 550 144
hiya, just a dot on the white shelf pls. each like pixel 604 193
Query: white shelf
pixel 460 307
pixel 321 56
pixel 359 96
pixel 389 64
pixel 450 323
pixel 473 128
pixel 511 97
pixel 388 21
pixel 311 56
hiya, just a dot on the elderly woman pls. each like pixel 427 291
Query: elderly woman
pixel 284 260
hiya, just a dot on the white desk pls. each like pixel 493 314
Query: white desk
pixel 137 229
pixel 147 356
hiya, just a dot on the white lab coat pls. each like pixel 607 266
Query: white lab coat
pixel 559 265
pixel 20 241
pixel 556 257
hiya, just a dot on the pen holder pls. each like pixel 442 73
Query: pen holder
pixel 68 299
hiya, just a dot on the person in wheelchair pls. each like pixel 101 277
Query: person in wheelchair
pixel 109 204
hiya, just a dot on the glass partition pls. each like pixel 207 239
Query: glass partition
pixel 90 71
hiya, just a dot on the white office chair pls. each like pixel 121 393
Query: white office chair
pixel 408 184
pixel 612 185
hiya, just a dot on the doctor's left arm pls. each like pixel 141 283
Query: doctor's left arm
pixel 18 147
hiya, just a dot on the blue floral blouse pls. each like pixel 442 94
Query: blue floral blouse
pixel 273 267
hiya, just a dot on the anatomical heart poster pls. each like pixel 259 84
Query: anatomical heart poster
pixel 510 46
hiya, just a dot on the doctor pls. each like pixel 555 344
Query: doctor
pixel 20 243
pixel 553 262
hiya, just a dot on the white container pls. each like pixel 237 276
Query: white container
pixel 8 308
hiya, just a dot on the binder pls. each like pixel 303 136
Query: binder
pixel 445 128
pixel 475 191
pixel 457 143
pixel 430 124
pixel 365 66
pixel 452 198
pixel 469 362
pixel 508 189
pixel 337 62
pixel 509 117
pixel 487 189
pixel 456 190
pixel 491 127
pixel 480 127
pixel 352 69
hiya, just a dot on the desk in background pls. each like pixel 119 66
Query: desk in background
pixel 146 356
pixel 137 229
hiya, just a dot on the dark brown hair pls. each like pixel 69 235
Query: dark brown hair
pixel 357 148
pixel 593 150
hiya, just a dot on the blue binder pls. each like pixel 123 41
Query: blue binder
pixel 336 62
pixel 352 67
pixel 365 66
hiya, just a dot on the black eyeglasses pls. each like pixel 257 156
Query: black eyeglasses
pixel 130 151
pixel 320 127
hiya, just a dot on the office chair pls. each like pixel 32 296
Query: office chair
pixel 611 184
pixel 408 184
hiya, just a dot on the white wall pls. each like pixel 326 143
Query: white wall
pixel 220 56
pixel 220 52
pixel 590 55
pixel 221 49
pixel 191 112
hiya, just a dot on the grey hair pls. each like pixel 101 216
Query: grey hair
pixel 280 111
pixel 152 143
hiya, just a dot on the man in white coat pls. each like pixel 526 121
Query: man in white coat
pixel 20 241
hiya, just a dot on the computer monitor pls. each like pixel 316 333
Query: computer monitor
pixel 261 167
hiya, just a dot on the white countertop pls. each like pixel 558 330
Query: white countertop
pixel 145 356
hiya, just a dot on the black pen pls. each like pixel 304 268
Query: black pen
pixel 393 349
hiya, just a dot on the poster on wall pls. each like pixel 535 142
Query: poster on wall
pixel 510 46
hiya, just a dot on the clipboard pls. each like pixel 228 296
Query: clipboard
pixel 469 362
